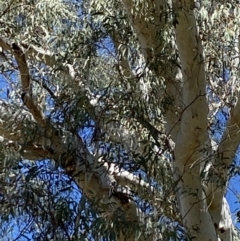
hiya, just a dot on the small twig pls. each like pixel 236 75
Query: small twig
pixel 184 109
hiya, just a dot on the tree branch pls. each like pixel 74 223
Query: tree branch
pixel 193 72
pixel 48 58
pixel 95 183
pixel 231 138
pixel 19 130
pixel 193 136
pixel 27 96
pixel 217 188
pixel 150 27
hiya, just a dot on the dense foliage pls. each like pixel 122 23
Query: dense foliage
pixel 94 95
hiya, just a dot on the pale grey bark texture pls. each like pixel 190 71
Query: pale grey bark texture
pixel 204 210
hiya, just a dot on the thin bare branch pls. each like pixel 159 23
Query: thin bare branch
pixel 27 96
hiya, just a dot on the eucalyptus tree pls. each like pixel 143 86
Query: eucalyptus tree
pixel 118 101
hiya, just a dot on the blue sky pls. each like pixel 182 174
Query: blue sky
pixel 233 191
